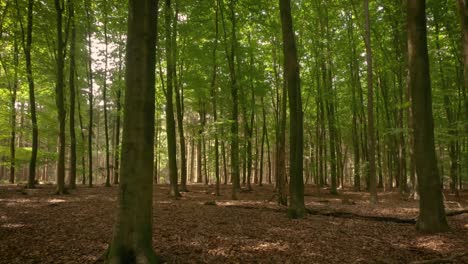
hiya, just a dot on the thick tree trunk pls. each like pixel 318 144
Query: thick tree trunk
pixel 132 239
pixel 431 207
pixel 292 79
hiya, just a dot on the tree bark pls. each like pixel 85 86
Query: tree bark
pixel 179 107
pixel 431 207
pixel 170 122
pixel 370 108
pixel 59 98
pixel 72 93
pixel 292 79
pixel 27 44
pixel 90 94
pixel 104 97
pixel 132 239
pixel 231 58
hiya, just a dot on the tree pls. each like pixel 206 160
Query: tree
pixel 132 239
pixel 59 97
pixel 72 94
pixel 179 105
pixel 292 79
pixel 463 9
pixel 170 122
pixel 370 108
pixel 431 207
pixel 90 93
pixel 231 59
pixel 26 38
pixel 104 94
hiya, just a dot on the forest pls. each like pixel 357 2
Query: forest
pixel 235 131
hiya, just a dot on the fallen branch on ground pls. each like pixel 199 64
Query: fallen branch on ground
pixel 452 259
pixel 346 214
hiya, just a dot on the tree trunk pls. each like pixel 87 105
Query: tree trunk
pixel 179 108
pixel 72 94
pixel 214 88
pixel 90 94
pixel 170 122
pixel 463 8
pixel 59 99
pixel 132 239
pixel 370 108
pixel 27 44
pixel 104 97
pixel 118 104
pixel 431 207
pixel 292 79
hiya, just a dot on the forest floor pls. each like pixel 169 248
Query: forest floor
pixel 38 227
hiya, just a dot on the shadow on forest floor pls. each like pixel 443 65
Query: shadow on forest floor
pixel 38 227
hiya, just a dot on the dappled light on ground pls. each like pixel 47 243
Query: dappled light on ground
pixel 39 227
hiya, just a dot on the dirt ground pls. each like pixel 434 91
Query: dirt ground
pixel 38 227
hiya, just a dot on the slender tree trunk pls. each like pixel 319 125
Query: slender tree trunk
pixel 118 104
pixel 27 44
pixel 214 88
pixel 170 122
pixel 72 94
pixel 59 98
pixel 431 207
pixel 262 144
pixel 200 147
pixel 370 108
pixel 292 79
pixel 179 108
pixel 90 94
pixel 104 97
pixel 13 94
pixel 223 154
pixel 83 140
pixel 231 58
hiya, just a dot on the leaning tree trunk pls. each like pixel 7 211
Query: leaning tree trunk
pixel 291 73
pixel 431 207
pixel 132 239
